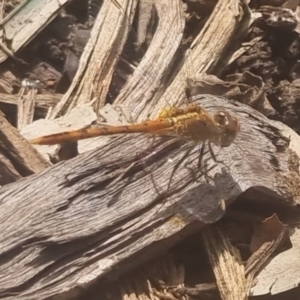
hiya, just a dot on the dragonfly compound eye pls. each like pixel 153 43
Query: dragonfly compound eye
pixel 229 127
pixel 222 118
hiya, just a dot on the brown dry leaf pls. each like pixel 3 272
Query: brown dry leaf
pixel 243 87
pixel 267 232
pixel 282 272
pixel 291 4
pixel 266 239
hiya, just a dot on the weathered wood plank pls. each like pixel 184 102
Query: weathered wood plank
pixel 17 157
pixel 104 211
pixel 142 91
pixel 25 22
pixel 43 101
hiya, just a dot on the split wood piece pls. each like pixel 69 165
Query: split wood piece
pixel 17 157
pixel 42 102
pixel 26 107
pixel 145 20
pixel 2 4
pixel 226 263
pixel 139 92
pixel 104 212
pixel 162 278
pixel 98 61
pixel 208 54
pixel 7 82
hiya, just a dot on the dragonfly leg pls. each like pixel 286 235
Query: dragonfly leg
pixel 211 151
pixel 203 168
pixel 201 154
pixel 142 155
pixel 178 165
pixel 175 168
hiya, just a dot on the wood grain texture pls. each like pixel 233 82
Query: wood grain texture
pixel 104 212
pixel 17 157
pixel 99 58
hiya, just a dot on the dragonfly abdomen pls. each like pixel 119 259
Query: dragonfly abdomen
pixel 86 133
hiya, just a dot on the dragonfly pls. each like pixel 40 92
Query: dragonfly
pixel 190 123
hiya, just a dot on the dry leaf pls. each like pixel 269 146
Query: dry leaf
pixel 282 273
pixel 267 232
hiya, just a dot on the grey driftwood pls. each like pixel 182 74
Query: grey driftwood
pixel 106 211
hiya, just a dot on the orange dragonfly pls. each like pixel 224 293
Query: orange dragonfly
pixel 192 123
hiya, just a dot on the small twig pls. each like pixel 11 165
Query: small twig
pixel 9 53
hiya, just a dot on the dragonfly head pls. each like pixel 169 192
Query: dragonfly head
pixel 228 128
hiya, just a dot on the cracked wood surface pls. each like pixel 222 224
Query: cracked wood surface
pixel 103 212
